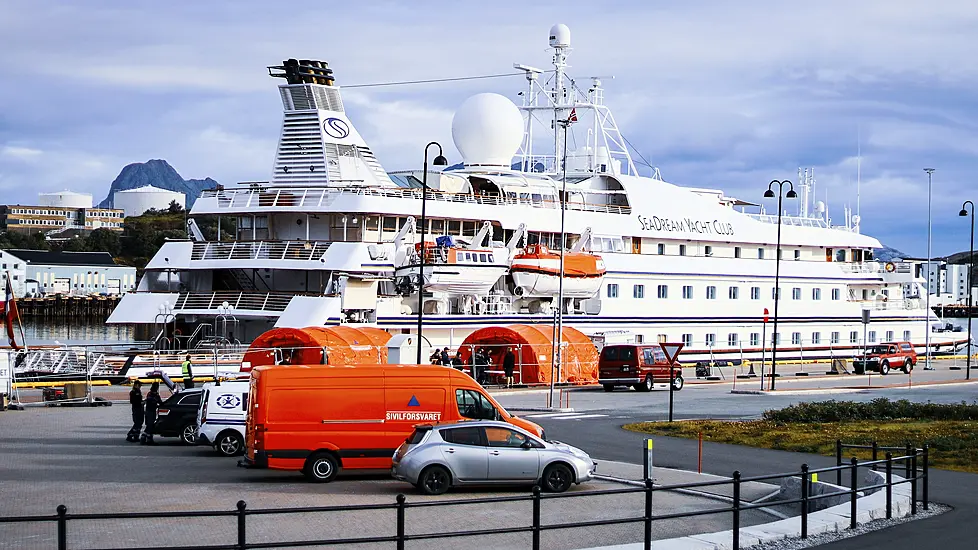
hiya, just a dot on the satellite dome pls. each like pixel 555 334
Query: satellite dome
pixel 487 130
pixel 559 36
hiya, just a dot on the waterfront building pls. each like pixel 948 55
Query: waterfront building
pixel 71 273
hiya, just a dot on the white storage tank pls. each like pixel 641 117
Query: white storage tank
pixel 139 200
pixel 67 199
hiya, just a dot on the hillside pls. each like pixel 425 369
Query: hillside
pixel 157 173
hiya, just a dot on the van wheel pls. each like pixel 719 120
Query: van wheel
pixel 188 434
pixel 907 366
pixel 677 383
pixel 434 480
pixel 884 368
pixel 321 468
pixel 229 443
pixel 648 385
pixel 557 478
pixel 609 387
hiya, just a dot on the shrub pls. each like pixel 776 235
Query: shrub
pixel 877 409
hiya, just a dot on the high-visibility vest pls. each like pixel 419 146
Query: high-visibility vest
pixel 186 369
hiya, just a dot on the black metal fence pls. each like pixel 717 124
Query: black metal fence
pixel 805 499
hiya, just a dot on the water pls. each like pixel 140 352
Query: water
pixel 47 333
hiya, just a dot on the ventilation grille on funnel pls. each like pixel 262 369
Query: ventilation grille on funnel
pixel 307 98
pixel 300 157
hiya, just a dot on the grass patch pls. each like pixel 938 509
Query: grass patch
pixel 814 427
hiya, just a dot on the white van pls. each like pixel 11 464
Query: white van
pixel 222 415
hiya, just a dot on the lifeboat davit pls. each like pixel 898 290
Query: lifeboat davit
pixel 536 273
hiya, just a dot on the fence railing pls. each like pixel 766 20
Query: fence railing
pixel 805 499
pixel 255 301
pixel 260 250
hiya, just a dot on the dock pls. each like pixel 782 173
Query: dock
pixel 92 308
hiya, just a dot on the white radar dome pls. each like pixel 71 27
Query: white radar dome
pixel 820 207
pixel 487 130
pixel 559 36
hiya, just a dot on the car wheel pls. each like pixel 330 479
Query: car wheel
pixel 908 366
pixel 677 383
pixel 557 478
pixel 188 434
pixel 609 387
pixel 647 385
pixel 434 480
pixel 321 468
pixel 884 368
pixel 229 443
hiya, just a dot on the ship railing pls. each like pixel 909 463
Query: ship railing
pixel 318 197
pixel 259 250
pixel 797 221
pixel 864 267
pixel 239 301
pixel 886 305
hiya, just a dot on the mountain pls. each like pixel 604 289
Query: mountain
pixel 157 173
pixel 887 254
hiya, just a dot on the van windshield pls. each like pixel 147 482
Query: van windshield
pixel 474 405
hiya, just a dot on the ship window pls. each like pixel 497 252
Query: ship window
pixel 872 337
pixel 687 340
pixel 734 293
pixel 906 335
pixel 682 250
pixel 796 293
pixel 835 338
pixel 663 291
pixel 711 340
pixel 840 255
pixel 687 292
pixel 437 227
pixel 755 338
pixel 889 336
pixel 854 337
pixel 536 198
pixel 775 293
pixel 816 294
pixel 796 338
pixel 711 292
pixel 454 227
pixel 612 290
pixel 836 294
pixel 708 250
pixel 468 228
pixel 797 254
pixel 755 293
pixel 489 256
pixel 776 338
pixel 732 339
pixel 638 291
pixel 662 249
pixel 482 257
pixel 736 252
pixel 760 253
pixel 816 338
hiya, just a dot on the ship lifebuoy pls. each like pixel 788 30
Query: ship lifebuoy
pixel 177 332
pixel 890 267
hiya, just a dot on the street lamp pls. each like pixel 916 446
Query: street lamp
pixel 439 161
pixel 769 194
pixel 930 267
pixel 971 268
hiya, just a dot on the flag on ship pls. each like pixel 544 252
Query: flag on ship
pixel 573 116
pixel 8 312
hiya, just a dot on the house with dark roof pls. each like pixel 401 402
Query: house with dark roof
pixel 74 273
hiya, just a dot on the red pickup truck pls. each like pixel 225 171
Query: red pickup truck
pixel 883 357
pixel 638 365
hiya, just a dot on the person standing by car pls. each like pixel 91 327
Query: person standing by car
pixel 509 363
pixel 153 402
pixel 136 402
pixel 188 373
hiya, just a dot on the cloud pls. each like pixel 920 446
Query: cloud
pixel 23 154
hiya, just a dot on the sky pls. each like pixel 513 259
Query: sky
pixel 716 94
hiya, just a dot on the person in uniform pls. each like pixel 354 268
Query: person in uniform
pixel 136 402
pixel 188 373
pixel 153 402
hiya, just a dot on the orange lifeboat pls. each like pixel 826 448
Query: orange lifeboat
pixel 536 273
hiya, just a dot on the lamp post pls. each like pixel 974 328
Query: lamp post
pixel 439 160
pixel 971 269
pixel 769 194
pixel 930 266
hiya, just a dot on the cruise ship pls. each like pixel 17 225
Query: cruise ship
pixel 333 238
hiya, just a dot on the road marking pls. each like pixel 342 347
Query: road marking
pixel 583 416
pixel 564 416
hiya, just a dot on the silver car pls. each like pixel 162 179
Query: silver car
pixel 436 457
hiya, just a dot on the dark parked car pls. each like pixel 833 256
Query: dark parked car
pixel 178 416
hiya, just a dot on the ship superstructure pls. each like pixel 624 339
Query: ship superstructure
pixel 333 238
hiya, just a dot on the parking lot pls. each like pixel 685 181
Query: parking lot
pixel 79 457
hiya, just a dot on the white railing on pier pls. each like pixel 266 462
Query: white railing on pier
pixel 260 250
pixel 312 198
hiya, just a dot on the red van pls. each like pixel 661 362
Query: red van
pixel 640 366
pixel 321 418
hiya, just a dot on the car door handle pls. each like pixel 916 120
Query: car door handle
pixel 496 453
pixel 451 451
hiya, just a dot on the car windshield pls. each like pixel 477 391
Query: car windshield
pixel 472 404
pixel 417 436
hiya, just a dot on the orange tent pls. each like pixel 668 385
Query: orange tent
pixel 533 346
pixel 306 346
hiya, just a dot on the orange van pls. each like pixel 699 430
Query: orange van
pixel 321 418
